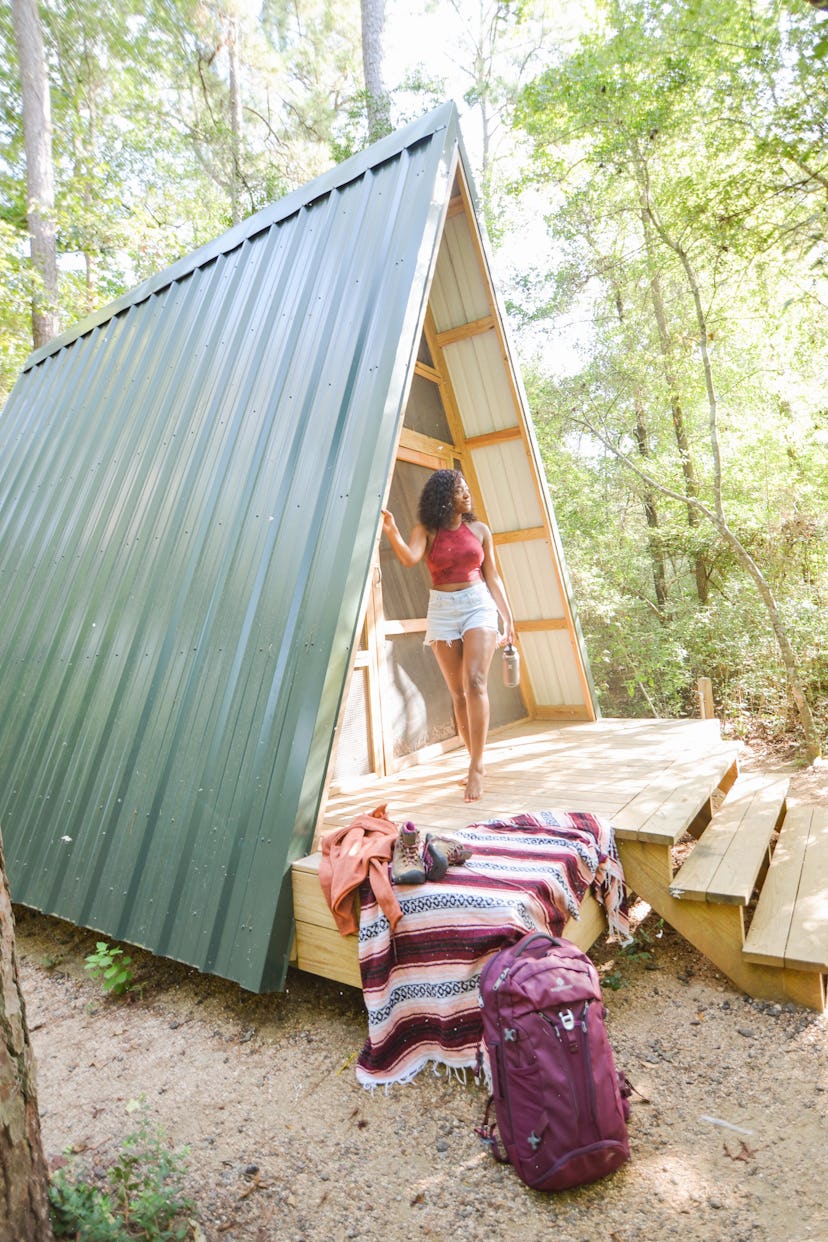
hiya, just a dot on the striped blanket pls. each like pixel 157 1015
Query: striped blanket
pixel 526 873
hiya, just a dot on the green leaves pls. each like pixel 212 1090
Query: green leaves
pixel 111 967
pixel 681 146
pixel 140 1195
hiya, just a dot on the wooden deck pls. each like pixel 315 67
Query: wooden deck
pixel 657 780
pixel 627 770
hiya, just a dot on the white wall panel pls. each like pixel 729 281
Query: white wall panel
pixel 458 294
pixel 555 680
pixel 481 385
pixel 508 486
pixel 533 587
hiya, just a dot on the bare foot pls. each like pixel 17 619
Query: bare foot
pixel 474 784
pixel 464 780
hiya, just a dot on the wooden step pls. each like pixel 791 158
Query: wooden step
pixel 735 847
pixel 674 801
pixel 790 925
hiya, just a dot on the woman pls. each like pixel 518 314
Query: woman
pixel 467 595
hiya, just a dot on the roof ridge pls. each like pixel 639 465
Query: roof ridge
pixel 443 117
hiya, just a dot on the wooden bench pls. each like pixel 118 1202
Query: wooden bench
pixel 320 948
pixel 734 849
pixel 790 924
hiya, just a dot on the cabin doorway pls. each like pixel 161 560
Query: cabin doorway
pixel 398 710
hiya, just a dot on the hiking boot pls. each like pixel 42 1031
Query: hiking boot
pixel 440 853
pixel 407 865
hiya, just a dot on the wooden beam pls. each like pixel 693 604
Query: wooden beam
pixel 540 625
pixel 527 535
pixel 502 436
pixel 465 331
pixel 426 372
pixel 414 446
pixel 562 711
pixel 416 625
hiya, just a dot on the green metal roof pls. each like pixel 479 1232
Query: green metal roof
pixel 190 485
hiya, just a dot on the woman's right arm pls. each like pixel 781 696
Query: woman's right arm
pixel 410 553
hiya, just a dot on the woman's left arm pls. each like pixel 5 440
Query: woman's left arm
pixel 495 584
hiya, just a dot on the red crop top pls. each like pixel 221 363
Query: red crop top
pixel 455 556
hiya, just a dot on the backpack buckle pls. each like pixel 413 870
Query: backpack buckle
pixel 567 1019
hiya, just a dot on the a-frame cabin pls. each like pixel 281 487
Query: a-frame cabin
pixel 207 656
pixel 190 493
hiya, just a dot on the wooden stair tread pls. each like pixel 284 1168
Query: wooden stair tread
pixel 790 925
pixel 732 850
pixel 667 806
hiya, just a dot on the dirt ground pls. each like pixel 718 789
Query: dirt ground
pixel 729 1126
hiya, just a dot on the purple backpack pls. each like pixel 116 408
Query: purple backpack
pixel 561 1108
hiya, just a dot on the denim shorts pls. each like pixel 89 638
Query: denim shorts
pixel 451 613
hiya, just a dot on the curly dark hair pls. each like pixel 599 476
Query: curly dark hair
pixel 436 508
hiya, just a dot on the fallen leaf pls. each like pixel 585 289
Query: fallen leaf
pixel 256 1184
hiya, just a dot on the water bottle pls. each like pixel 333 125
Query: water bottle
pixel 511 665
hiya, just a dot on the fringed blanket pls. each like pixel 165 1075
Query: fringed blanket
pixel 527 873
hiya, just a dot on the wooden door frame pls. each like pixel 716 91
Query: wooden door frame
pixel 418 450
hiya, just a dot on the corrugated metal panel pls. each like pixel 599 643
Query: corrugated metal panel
pixel 189 497
pixel 481 384
pixel 533 591
pixel 512 500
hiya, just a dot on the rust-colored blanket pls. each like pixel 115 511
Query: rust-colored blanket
pixel 350 856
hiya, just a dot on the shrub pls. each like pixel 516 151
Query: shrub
pixel 140 1196
pixel 112 967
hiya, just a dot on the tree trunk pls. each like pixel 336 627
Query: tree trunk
pixel 235 119
pixel 40 189
pixel 642 439
pixel 685 455
pixel 24 1202
pixel 812 744
pixel 379 105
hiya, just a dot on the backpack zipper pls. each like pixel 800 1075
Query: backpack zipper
pixel 568 1022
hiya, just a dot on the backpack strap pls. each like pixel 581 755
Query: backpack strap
pixel 488 1133
pixel 532 941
